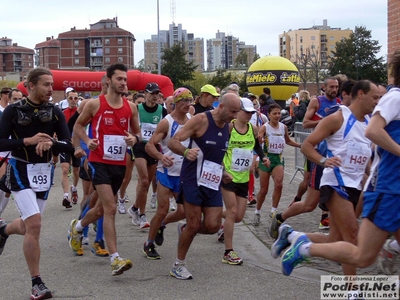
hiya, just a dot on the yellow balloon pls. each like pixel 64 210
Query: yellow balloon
pixel 275 72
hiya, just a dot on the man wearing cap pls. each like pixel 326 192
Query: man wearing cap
pixel 169 163
pixel 63 104
pixel 208 95
pixel 150 114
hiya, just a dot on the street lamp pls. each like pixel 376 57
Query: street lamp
pixel 357 62
pixel 158 39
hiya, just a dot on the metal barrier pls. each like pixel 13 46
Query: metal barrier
pixel 300 134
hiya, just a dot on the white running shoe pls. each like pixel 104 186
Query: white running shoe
pixel 172 206
pixel 256 219
pixel 135 216
pixel 121 208
pixel 143 222
pixel 387 259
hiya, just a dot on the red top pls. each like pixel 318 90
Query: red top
pixel 69 112
pixel 108 126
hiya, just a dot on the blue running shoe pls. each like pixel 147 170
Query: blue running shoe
pixel 281 242
pixel 292 257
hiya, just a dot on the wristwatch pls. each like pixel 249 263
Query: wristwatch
pixel 322 161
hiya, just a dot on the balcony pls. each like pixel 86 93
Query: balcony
pixel 96 45
pixel 97 63
pixel 96 54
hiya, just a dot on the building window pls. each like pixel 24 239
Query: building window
pixel 301 39
pixel 332 47
pixel 76 43
pixel 332 38
pixel 119 41
pixel 313 37
pixel 120 59
pixel 107 50
pixel 107 60
pixel 76 51
pixel 107 41
pixel 77 61
pixel 119 50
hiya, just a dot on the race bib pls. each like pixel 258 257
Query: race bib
pixel 39 176
pixel 211 175
pixel 276 144
pixel 147 131
pixel 114 147
pixel 241 159
pixel 357 156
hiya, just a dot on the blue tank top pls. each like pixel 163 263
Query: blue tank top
pixel 324 106
pixel 212 144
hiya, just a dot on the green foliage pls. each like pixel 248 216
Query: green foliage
pixel 8 83
pixel 175 65
pixel 196 83
pixel 140 65
pixel 241 59
pixel 356 57
pixel 256 56
pixel 222 78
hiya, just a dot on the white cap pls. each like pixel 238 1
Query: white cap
pixel 247 105
pixel 68 89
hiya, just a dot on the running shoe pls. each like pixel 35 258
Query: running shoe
pixel 74 195
pixel 135 216
pixel 274 226
pixel 85 240
pixel 179 271
pixel 40 291
pixel 66 203
pixel 281 242
pixel 159 239
pixel 221 235
pixel 387 259
pixel 143 222
pixel 75 239
pixel 120 265
pixel 153 201
pixel 256 219
pixel 324 224
pixel 121 207
pixel 251 201
pixel 3 239
pixel 150 251
pixel 99 249
pixel 232 259
pixel 292 257
pixel 172 206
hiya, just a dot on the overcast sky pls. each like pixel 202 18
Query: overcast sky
pixel 254 22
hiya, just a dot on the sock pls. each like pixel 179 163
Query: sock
pixel 297 199
pixel 279 218
pixel 257 212
pixel 291 236
pixel 273 209
pixel 395 246
pixel 66 195
pixel 114 256
pixel 79 226
pixel 3 232
pixel 36 280
pixel 178 261
pixel 134 208
pixel 100 231
pixel 149 242
pixel 304 249
pixel 73 188
pixel 227 251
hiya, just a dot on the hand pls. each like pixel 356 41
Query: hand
pixel 79 153
pixel 92 144
pixel 192 154
pixel 266 162
pixel 43 146
pixel 167 161
pixel 226 177
pixel 34 140
pixel 130 140
pixel 333 162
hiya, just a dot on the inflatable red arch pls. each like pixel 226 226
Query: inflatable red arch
pixel 91 81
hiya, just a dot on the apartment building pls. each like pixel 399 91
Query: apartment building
pixel 318 40
pixel 15 61
pixel 48 53
pixel 393 26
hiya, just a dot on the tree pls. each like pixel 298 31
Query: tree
pixel 256 56
pixel 222 79
pixel 356 57
pixel 140 65
pixel 241 59
pixel 175 65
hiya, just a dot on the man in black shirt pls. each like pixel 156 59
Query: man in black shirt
pixel 208 95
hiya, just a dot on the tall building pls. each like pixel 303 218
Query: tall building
pixel 223 50
pixel 15 61
pixel 96 48
pixel 393 26
pixel 48 53
pixel 176 34
pixel 318 40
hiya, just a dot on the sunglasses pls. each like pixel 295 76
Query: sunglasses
pixel 73 98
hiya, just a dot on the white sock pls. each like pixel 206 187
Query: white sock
pixel 114 256
pixel 73 188
pixel 304 249
pixel 291 236
pixel 258 212
pixel 66 195
pixel 395 245
pixel 273 209
pixel 78 226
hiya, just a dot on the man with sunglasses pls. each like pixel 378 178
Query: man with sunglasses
pixel 67 158
pixel 31 124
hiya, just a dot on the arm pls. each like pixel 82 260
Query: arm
pixel 258 149
pixel 84 118
pixel 311 110
pixel 289 141
pixel 378 135
pixel 329 125
pixel 134 135
pixel 151 149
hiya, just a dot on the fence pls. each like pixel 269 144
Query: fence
pixel 300 134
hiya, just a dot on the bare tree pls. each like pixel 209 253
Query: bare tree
pixel 317 64
pixel 303 65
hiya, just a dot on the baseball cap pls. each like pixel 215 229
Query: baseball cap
pixel 247 105
pixel 69 89
pixel 250 95
pixel 152 87
pixel 208 88
pixel 182 93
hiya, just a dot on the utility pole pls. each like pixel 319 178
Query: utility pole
pixel 158 39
